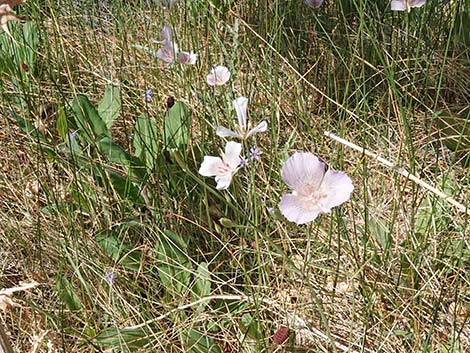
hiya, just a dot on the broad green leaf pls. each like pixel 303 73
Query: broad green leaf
pixel 119 251
pixel 454 130
pixel 124 187
pixel 177 126
pixel 174 267
pixel 61 123
pixel 116 154
pixel 110 106
pixel 67 293
pixel 197 342
pixel 252 327
pixel 116 338
pixel 202 278
pixel 87 119
pixel 111 244
pixel 146 141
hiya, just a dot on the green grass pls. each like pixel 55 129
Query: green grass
pixel 201 270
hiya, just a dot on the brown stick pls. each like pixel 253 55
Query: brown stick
pixel 5 346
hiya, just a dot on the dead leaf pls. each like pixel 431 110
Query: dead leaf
pixel 5 294
pixel 6 12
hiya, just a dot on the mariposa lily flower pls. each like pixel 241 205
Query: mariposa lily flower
pixel 186 58
pixel 167 3
pixel 223 168
pixel 218 76
pixel 314 191
pixel 169 49
pixel 402 5
pixel 314 3
pixel 242 130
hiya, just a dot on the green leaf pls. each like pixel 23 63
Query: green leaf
pixel 110 106
pixel 61 123
pixel 174 267
pixel 454 130
pixel 197 342
pixel 124 187
pixel 252 327
pixel 67 294
pixel 119 251
pixel 202 286
pixel 116 154
pixel 111 244
pixel 116 338
pixel 87 119
pixel 146 141
pixel 177 126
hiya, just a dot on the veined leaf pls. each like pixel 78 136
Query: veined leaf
pixel 174 267
pixel 67 294
pixel 88 120
pixel 116 338
pixel 197 342
pixel 177 126
pixel 110 106
pixel 145 141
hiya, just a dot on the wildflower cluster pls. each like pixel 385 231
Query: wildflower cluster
pixel 314 191
pixel 395 5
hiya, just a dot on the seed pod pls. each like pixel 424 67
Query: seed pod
pixel 281 335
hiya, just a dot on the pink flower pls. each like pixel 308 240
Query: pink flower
pixel 242 131
pixel 402 5
pixel 314 3
pixel 170 48
pixel 218 76
pixel 186 58
pixel 314 191
pixel 223 168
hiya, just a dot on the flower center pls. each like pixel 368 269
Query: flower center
pixel 224 169
pixel 316 201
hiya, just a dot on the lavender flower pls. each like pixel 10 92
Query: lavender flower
pixel 244 162
pixel 255 154
pixel 110 278
pixel 148 94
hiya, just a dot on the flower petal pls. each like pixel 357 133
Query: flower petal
pixel 261 127
pixel 314 3
pixel 219 75
pixel 167 52
pixel 416 3
pixel 167 34
pixel 232 155
pixel 398 5
pixel 293 208
pixel 241 104
pixel 338 188
pixel 224 132
pixel 186 58
pixel 223 182
pixel 303 172
pixel 210 166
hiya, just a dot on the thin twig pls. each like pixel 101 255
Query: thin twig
pixel 401 171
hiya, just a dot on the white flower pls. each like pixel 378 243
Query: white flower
pixel 402 5
pixel 314 3
pixel 167 3
pixel 314 191
pixel 186 58
pixel 242 130
pixel 223 168
pixel 219 75
pixel 169 50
